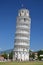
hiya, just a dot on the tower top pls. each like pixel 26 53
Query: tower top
pixel 23 12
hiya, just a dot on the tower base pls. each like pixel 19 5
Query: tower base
pixel 21 56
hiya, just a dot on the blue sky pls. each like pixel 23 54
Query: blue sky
pixel 8 14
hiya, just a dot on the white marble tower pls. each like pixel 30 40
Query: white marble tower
pixel 22 36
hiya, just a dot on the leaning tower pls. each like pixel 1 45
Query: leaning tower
pixel 22 36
